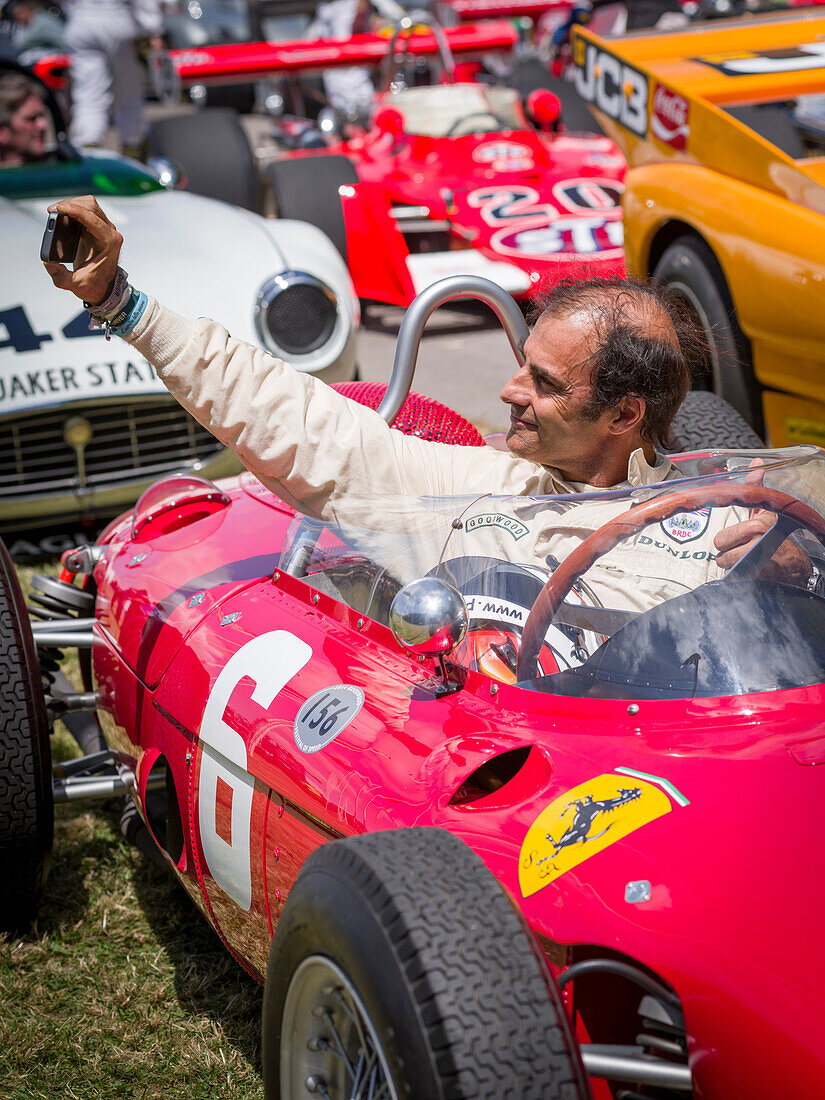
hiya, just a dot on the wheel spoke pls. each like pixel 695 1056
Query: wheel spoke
pixel 317 1086
pixel 378 1089
pixel 325 1045
pixel 357 1076
pixel 345 1061
pixel 368 1070
pixel 354 1017
pixel 331 1021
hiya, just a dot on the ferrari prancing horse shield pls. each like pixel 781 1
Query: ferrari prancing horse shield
pixel 583 821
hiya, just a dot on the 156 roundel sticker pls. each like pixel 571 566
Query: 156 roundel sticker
pixel 326 714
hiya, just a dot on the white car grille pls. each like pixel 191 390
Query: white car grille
pixel 128 442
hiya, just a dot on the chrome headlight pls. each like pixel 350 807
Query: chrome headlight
pixel 295 313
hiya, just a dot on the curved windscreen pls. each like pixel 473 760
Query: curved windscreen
pixel 615 594
pixel 721 639
pixel 442 109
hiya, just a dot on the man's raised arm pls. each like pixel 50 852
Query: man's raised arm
pixel 321 453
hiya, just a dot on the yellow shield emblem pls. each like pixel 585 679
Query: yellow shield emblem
pixel 584 821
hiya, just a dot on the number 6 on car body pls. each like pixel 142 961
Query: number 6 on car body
pixel 270 661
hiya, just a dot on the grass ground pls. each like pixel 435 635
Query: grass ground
pixel 121 989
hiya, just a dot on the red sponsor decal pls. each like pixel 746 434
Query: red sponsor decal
pixel 223 811
pixel 669 121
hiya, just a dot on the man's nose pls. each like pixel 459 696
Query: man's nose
pixel 515 390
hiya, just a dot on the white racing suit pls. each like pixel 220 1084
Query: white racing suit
pixel 107 77
pixel 334 459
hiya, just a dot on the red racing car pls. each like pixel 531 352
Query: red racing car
pixel 460 178
pixel 481 833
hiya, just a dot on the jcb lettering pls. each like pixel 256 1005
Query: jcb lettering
pixel 613 87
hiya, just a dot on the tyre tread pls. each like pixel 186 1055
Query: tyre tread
pixel 707 420
pixel 26 815
pixel 481 1044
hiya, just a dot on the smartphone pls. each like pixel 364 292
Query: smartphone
pixel 60 239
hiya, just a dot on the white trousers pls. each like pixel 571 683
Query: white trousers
pixel 107 78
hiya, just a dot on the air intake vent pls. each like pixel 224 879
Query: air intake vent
pixel 491 776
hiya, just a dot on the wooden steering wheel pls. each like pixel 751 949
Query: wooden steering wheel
pixel 791 513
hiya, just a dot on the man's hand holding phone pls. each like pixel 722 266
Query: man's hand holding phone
pixel 60 239
pixel 98 250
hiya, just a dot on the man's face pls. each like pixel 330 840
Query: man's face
pixel 547 395
pixel 24 138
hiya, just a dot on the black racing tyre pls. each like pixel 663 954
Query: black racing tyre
pixel 691 270
pixel 306 188
pixel 212 149
pixel 26 805
pixel 706 420
pixel 402 949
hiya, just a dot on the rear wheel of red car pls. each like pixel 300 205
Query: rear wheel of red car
pixel 26 806
pixel 691 270
pixel 400 969
pixel 306 188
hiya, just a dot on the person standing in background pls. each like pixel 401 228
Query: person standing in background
pixel 350 90
pixel 107 77
pixel 38 30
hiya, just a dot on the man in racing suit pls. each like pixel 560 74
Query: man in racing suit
pixel 604 374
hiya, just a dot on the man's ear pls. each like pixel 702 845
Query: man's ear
pixel 627 415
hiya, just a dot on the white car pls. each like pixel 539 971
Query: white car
pixel 85 425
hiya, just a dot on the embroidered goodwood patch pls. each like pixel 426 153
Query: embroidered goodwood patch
pixel 495 519
pixel 686 526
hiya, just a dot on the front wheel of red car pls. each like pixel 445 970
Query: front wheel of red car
pixel 401 970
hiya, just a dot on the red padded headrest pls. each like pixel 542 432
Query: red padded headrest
pixel 419 415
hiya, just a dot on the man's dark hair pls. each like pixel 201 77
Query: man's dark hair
pixel 15 89
pixel 635 353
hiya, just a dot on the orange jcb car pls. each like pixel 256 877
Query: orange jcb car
pixel 723 127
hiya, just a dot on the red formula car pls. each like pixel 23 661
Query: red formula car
pixel 481 833
pixel 460 178
pixel 452 180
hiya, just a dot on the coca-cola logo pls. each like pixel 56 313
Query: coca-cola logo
pixel 669 121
